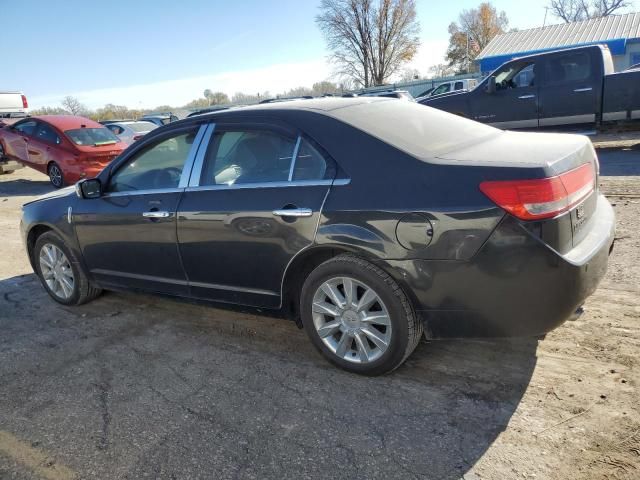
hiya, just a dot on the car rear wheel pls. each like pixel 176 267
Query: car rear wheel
pixel 358 317
pixel 55 175
pixel 60 272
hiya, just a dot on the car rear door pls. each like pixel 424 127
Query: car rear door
pixel 252 204
pixel 128 234
pixel 42 146
pixel 570 88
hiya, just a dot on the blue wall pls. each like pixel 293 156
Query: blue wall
pixel 489 64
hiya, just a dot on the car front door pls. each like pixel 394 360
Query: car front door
pixel 252 204
pixel 570 89
pixel 18 139
pixel 128 234
pixel 514 104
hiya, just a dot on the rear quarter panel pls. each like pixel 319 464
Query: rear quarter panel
pixel 622 96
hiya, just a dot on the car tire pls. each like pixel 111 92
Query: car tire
pixel 333 321
pixel 55 175
pixel 61 275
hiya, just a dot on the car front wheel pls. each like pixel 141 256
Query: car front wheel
pixel 358 317
pixel 60 272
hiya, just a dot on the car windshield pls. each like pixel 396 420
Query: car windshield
pixel 92 136
pixel 142 126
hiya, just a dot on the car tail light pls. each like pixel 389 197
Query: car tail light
pixel 25 104
pixel 542 198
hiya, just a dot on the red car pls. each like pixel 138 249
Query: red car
pixel 65 147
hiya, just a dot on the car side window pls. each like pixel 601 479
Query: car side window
pixel 237 157
pixel 444 88
pixel 458 86
pixel 116 129
pixel 571 67
pixel 515 75
pixel 47 134
pixel 157 166
pixel 26 128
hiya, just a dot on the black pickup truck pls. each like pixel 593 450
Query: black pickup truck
pixel 573 86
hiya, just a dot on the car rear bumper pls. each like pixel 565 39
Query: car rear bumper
pixel 514 286
pixel 9 166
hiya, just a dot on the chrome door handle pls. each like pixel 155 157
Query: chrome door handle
pixel 293 212
pixel 586 89
pixel 155 214
pixel 526 97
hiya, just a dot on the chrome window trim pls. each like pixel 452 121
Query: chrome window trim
pixel 156 191
pixel 294 157
pixel 295 183
pixel 188 164
pixel 196 171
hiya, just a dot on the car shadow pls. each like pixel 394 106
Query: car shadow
pixel 616 162
pixel 21 187
pixel 152 378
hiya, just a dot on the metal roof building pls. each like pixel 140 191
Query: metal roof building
pixel 621 33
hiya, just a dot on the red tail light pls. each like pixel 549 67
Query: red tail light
pixel 25 104
pixel 543 198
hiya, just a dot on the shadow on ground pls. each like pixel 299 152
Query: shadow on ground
pixel 23 188
pixel 617 162
pixel 134 385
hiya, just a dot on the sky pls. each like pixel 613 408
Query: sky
pixel 156 52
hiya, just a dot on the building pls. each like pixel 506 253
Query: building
pixel 621 33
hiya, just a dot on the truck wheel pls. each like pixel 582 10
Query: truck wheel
pixel 358 317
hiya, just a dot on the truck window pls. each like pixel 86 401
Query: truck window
pixel 517 75
pixel 458 86
pixel 444 88
pixel 567 68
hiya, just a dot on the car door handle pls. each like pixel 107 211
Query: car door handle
pixel 586 89
pixel 155 214
pixel 293 212
pixel 526 97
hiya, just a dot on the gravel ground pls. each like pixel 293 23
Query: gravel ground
pixel 133 386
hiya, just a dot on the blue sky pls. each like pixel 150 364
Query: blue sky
pixel 146 53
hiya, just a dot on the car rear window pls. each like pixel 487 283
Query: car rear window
pixel 142 126
pixel 91 136
pixel 416 129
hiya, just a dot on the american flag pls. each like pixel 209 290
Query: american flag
pixel 474 45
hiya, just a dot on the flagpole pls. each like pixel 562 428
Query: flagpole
pixel 467 52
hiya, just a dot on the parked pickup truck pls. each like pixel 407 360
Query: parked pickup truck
pixel 563 87
pixel 13 104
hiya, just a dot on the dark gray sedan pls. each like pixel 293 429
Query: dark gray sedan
pixel 369 221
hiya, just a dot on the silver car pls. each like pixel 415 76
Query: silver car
pixel 131 131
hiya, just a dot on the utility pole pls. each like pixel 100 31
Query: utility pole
pixel 546 10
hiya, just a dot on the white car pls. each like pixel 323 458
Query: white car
pixel 13 104
pixel 130 131
pixel 452 86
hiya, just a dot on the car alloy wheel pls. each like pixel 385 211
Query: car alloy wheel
pixel 55 175
pixel 56 271
pixel 351 320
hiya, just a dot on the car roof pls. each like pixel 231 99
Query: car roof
pixel 324 104
pixel 68 122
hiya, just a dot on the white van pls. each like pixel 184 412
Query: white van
pixel 13 104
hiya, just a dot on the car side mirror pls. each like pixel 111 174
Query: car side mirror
pixel 491 85
pixel 89 188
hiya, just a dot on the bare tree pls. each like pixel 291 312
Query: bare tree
pixel 73 105
pixel 369 41
pixel 578 10
pixel 409 75
pixel 441 70
pixel 208 94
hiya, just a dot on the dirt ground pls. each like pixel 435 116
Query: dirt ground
pixel 134 386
